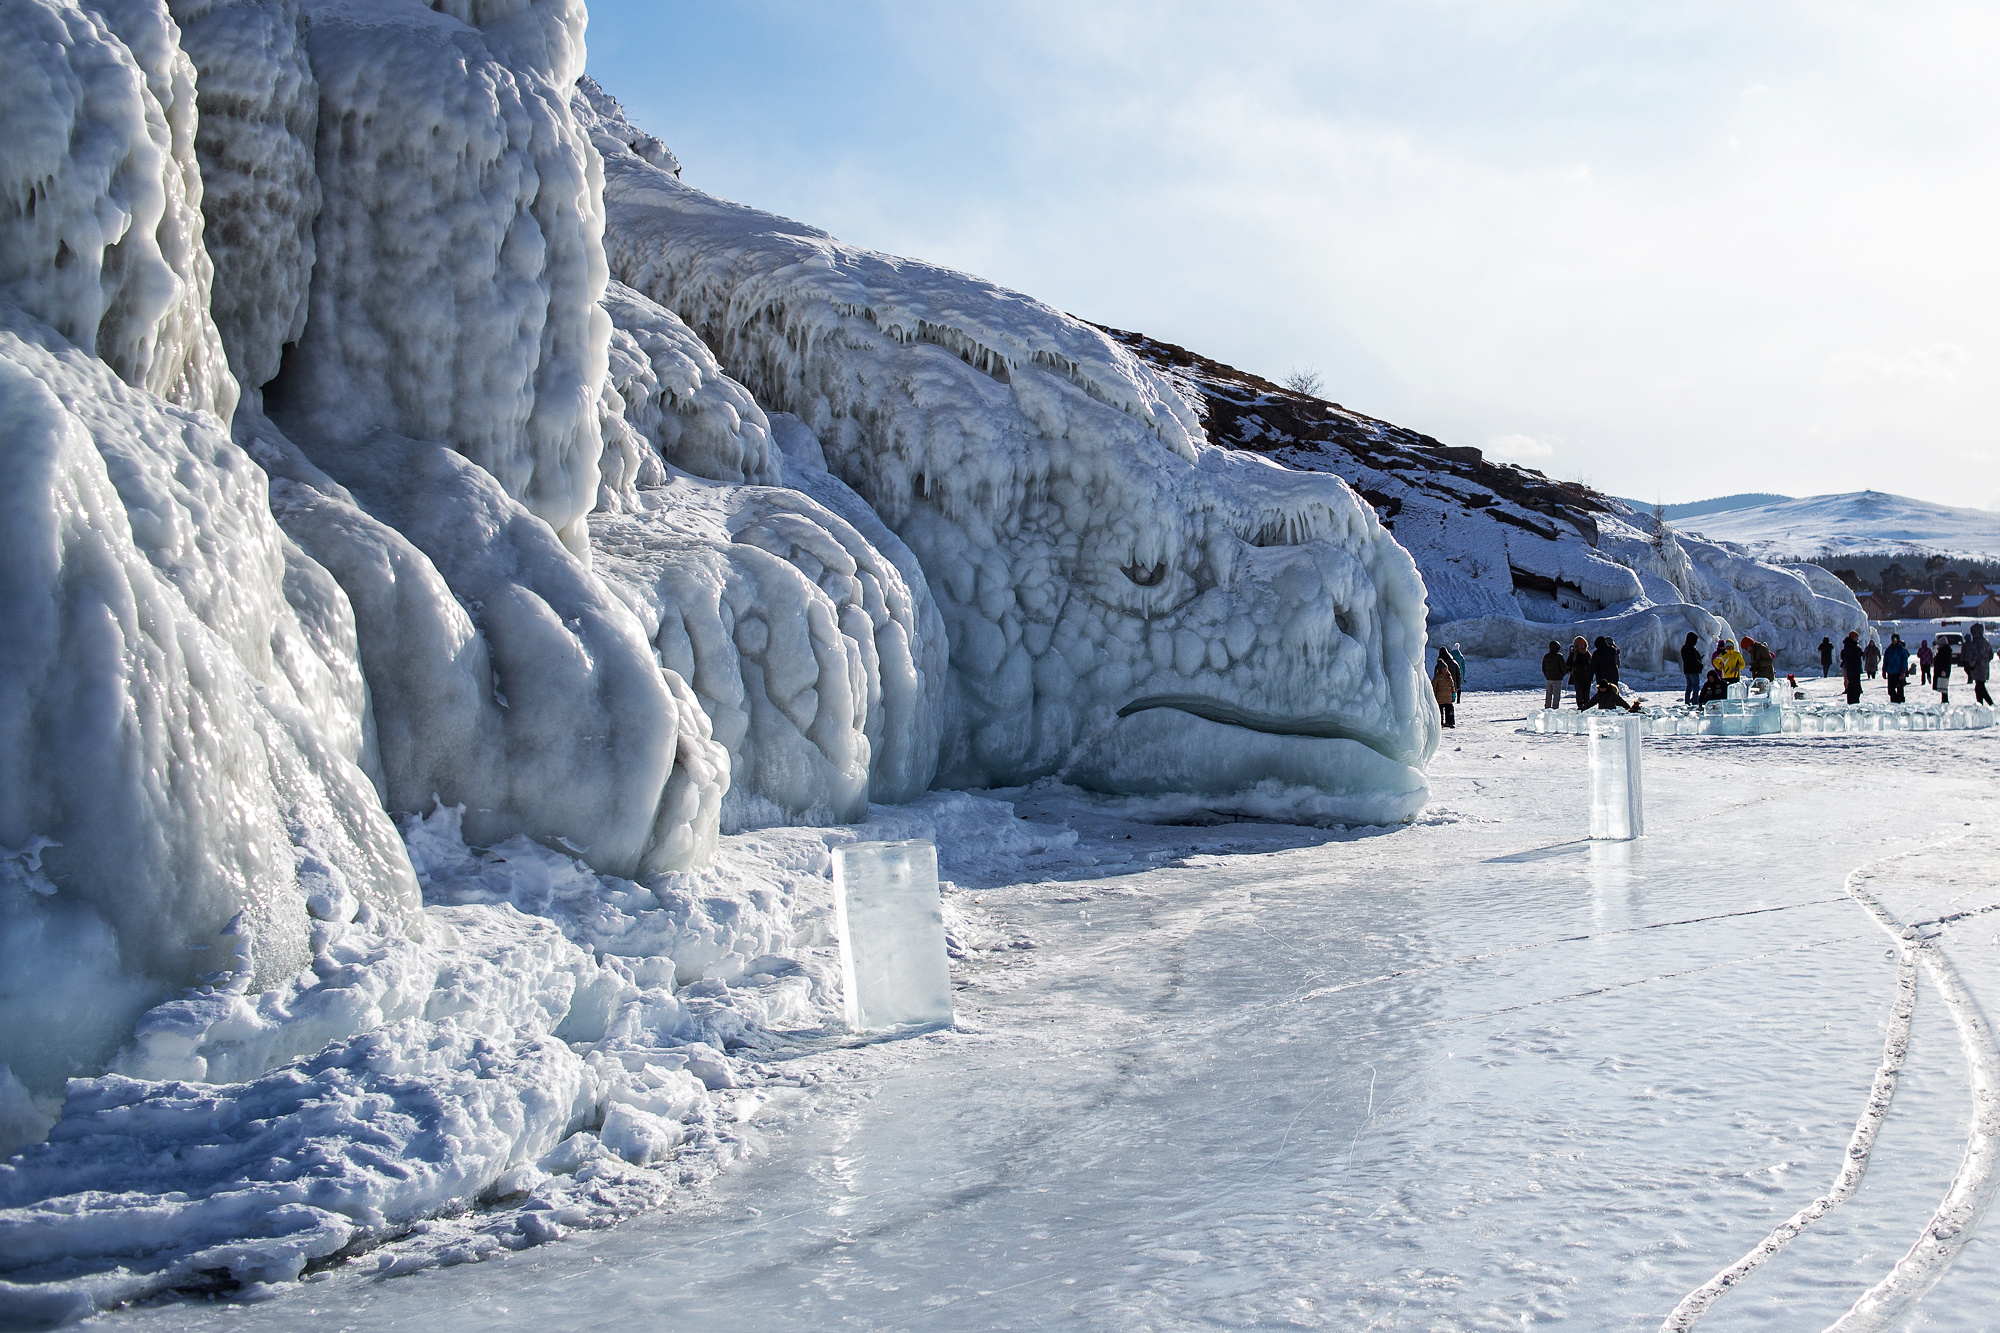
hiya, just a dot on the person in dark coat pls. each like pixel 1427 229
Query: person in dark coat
pixel 1554 667
pixel 1457 672
pixel 1691 668
pixel 1850 666
pixel 1977 658
pixel 1924 657
pixel 1896 667
pixel 1713 689
pixel 1941 671
pixel 1610 697
pixel 1825 658
pixel 1604 661
pixel 1580 671
pixel 1871 657
pixel 1763 662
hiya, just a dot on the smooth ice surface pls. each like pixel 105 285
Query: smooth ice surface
pixel 1474 1073
pixel 1617 789
pixel 891 927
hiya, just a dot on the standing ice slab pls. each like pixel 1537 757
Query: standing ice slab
pixel 891 924
pixel 1616 797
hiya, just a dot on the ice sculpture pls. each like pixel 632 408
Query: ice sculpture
pixel 1617 796
pixel 804 626
pixel 893 968
pixel 1123 601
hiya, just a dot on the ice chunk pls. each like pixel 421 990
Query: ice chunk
pixel 1616 797
pixel 891 924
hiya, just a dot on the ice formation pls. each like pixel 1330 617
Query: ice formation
pixel 186 729
pixel 1511 558
pixel 1128 607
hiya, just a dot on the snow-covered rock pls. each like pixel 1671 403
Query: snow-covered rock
pixel 1093 557
pixel 1510 558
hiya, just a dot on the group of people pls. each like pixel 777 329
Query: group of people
pixel 1934 666
pixel 1727 662
pixel 1590 669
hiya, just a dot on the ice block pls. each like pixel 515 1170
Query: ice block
pixel 891 925
pixel 1616 804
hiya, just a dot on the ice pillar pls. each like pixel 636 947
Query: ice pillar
pixel 1616 795
pixel 891 924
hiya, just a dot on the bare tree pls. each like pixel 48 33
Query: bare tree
pixel 1306 381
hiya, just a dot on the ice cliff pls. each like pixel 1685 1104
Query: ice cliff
pixel 407 616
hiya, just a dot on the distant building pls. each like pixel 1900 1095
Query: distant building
pixel 1909 604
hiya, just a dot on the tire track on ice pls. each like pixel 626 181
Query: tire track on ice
pixel 1973 1186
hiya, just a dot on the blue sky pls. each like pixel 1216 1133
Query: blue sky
pixel 1677 251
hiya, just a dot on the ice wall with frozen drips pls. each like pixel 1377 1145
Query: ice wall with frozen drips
pixel 457 256
pixel 1126 606
pixel 816 650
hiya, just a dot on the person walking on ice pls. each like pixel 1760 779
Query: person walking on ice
pixel 1977 655
pixel 1896 667
pixel 1924 662
pixel 1850 666
pixel 1444 684
pixel 1825 658
pixel 1554 667
pixel 1580 671
pixel 1871 657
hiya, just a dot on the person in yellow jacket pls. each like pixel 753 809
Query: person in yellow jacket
pixel 1730 664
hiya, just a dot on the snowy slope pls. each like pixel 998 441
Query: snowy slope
pixel 1855 523
pixel 1512 559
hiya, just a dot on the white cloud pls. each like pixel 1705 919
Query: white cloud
pixel 1936 364
pixel 1519 448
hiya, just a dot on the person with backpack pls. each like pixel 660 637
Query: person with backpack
pixel 1825 658
pixel 1896 667
pixel 1977 657
pixel 1554 667
pixel 1691 668
pixel 1850 666
pixel 1580 671
pixel 1763 662
pixel 1444 685
pixel 1924 656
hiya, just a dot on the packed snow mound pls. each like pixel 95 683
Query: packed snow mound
pixel 562 1046
pixel 458 261
pixel 1094 559
pixel 101 233
pixel 259 117
pixel 1510 558
pixel 1860 522
pixel 185 728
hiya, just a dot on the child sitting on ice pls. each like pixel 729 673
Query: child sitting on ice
pixel 1610 696
pixel 1713 689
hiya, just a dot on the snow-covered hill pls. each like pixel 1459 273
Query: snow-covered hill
pixel 1856 523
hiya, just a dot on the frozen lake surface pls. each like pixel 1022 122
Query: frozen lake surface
pixel 1474 1073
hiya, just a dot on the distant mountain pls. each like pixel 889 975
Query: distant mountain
pixel 1697 508
pixel 1852 524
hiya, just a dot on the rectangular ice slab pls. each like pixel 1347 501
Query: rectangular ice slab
pixel 1616 798
pixel 891 924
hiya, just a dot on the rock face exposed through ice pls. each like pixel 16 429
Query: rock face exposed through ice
pixel 1511 558
pixel 1094 559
